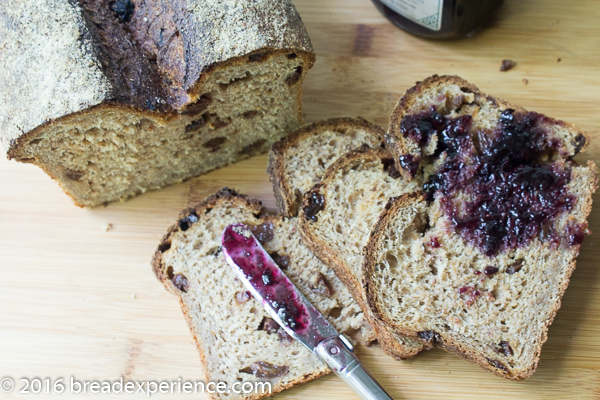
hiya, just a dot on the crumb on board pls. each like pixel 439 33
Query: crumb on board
pixel 107 226
pixel 525 81
pixel 558 59
pixel 507 64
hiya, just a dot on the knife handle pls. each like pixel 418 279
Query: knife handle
pixel 338 353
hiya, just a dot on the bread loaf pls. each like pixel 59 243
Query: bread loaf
pixel 337 216
pixel 477 262
pixel 299 161
pixel 112 99
pixel 237 340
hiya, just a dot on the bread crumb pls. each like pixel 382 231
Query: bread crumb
pixel 507 65
pixel 525 81
pixel 558 59
pixel 134 296
pixel 107 226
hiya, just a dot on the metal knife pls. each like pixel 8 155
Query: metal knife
pixel 293 312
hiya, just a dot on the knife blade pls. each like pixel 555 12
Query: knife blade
pixel 293 312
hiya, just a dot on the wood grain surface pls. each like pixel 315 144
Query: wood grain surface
pixel 77 300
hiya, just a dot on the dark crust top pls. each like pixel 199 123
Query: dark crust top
pixel 84 56
pixel 398 145
pixel 276 168
pixel 388 342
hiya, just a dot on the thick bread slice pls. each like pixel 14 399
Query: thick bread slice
pixel 299 161
pixel 478 262
pixel 355 189
pixel 452 96
pixel 119 102
pixel 230 329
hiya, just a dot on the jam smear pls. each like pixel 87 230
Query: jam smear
pixel 492 187
pixel 409 163
pixel 265 276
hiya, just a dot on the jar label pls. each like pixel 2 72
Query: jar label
pixel 424 12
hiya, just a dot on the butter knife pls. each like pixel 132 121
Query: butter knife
pixel 293 312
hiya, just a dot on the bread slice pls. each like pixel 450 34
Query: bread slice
pixel 337 216
pixel 299 161
pixel 130 96
pixel 236 339
pixel 477 262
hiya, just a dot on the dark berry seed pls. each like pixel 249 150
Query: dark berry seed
pixel 199 106
pixel 74 175
pixel 497 364
pixel 268 325
pixel 506 65
pixel 430 336
pixel 489 270
pixel 263 369
pixel 242 297
pixel 181 282
pixel 284 338
pixel 322 286
pixel 316 203
pixel 505 349
pixel 282 261
pixel 123 9
pixel 515 267
pixel 263 232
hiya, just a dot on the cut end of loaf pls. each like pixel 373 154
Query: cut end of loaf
pixel 112 152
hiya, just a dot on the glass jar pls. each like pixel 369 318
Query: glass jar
pixel 439 19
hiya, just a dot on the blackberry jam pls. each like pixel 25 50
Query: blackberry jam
pixel 439 19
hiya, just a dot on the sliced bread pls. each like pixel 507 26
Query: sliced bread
pixel 336 219
pixel 236 338
pixel 477 262
pixel 129 96
pixel 299 161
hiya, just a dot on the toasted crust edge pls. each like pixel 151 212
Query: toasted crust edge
pixel 276 167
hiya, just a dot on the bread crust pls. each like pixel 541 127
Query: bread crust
pixel 387 339
pixel 128 65
pixel 227 196
pixel 276 168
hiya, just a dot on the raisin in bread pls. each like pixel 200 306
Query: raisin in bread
pixel 112 99
pixel 477 262
pixel 299 161
pixel 236 338
pixel 337 216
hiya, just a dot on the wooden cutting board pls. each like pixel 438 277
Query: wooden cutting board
pixel 79 301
